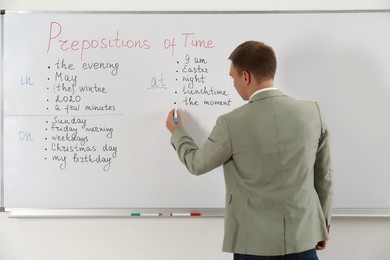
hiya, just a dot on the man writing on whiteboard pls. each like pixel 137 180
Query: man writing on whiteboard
pixel 276 160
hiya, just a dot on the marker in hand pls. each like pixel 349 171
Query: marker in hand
pixel 175 118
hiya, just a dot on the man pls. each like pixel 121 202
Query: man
pixel 276 160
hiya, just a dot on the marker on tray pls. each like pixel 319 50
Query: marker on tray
pixel 146 214
pixel 193 214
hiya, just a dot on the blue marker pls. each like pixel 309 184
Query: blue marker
pixel 146 214
pixel 175 118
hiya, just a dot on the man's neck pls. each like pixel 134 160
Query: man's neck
pixel 263 86
pixel 261 90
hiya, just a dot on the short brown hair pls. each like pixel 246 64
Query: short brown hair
pixel 256 58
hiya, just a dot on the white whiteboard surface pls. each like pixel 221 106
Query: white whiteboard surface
pixel 339 59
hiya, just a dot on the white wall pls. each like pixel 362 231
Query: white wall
pixel 165 239
pixel 189 239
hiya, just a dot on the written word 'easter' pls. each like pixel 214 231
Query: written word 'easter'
pixel 194 69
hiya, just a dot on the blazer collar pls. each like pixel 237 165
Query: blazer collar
pixel 267 94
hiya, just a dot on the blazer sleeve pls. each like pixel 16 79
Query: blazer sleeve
pixel 323 174
pixel 216 150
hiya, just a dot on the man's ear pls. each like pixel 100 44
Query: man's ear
pixel 247 77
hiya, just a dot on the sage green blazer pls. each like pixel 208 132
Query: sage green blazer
pixel 276 160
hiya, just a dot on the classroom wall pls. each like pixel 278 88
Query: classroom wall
pixel 163 239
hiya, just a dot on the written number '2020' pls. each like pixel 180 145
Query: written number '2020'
pixel 70 99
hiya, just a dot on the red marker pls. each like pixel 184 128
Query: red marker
pixel 186 214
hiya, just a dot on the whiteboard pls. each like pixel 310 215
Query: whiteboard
pixel 86 95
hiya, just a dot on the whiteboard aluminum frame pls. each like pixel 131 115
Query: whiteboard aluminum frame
pixel 195 12
pixel 165 212
pixel 2 12
pixel 114 213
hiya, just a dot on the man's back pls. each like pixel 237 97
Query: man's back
pixel 272 204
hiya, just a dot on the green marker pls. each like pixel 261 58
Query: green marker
pixel 146 214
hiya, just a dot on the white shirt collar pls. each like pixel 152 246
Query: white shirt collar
pixel 261 90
